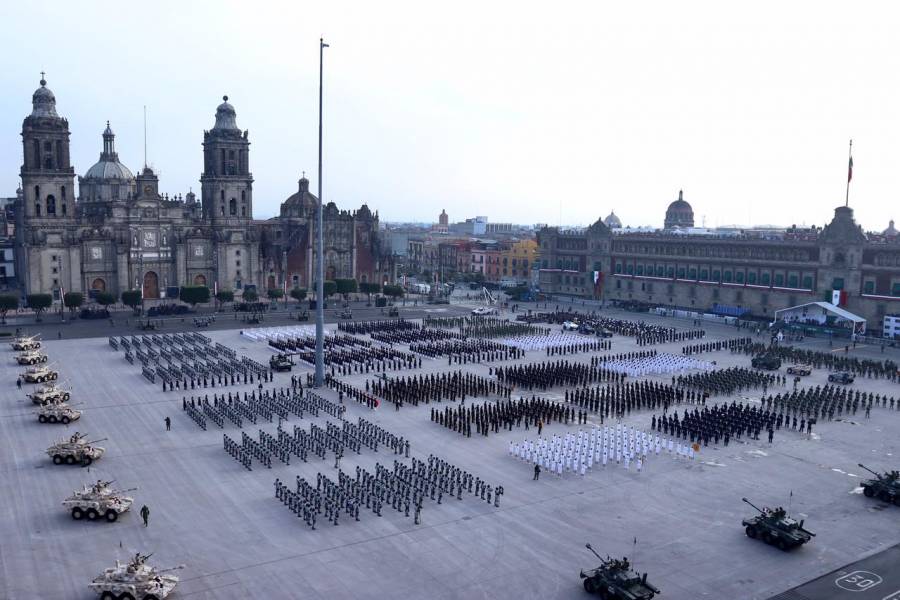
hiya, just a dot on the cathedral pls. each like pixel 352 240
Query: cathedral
pixel 118 232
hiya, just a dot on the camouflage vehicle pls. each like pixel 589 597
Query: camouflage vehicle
pixel 775 528
pixel 39 375
pixel 57 412
pixel 98 501
pixel 135 580
pixel 802 370
pixel 280 362
pixel 23 343
pixel 614 580
pixel 31 357
pixel 49 393
pixel 768 362
pixel 885 486
pixel 75 450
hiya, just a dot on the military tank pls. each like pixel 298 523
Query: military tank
pixel 776 528
pixel 280 362
pixel 135 580
pixel 885 486
pixel 31 357
pixel 74 450
pixel 614 580
pixel 768 362
pixel 97 501
pixel 25 343
pixel 57 411
pixel 49 393
pixel 40 374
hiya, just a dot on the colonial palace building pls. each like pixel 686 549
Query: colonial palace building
pixel 740 273
pixel 118 232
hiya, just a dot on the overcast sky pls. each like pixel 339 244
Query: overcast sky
pixel 549 112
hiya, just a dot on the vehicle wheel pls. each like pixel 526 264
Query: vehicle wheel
pixel 65 420
pixel 126 596
pixel 54 376
pixel 751 532
pixel 86 461
pixel 868 492
pixel 897 500
pixel 766 537
pixel 91 514
pixel 66 397
pixel 589 586
pixel 782 545
pixel 884 496
pixel 77 513
pixel 111 515
pixel 42 419
pixel 57 459
pixel 107 596
pixel 70 460
pixel 52 418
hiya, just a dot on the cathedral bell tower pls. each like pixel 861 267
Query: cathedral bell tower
pixel 226 182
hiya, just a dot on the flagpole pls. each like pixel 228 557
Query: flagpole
pixel 320 258
pixel 849 173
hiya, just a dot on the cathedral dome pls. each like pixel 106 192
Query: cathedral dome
pixel 109 167
pixel 891 231
pixel 679 213
pixel 43 102
pixel 613 221
pixel 226 117
pixel 300 204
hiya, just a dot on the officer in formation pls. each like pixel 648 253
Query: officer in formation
pixel 467 351
pixel 712 423
pixel 378 326
pixel 619 399
pixel 733 345
pixel 490 417
pixel 824 401
pixel 728 381
pixel 435 387
pixel 485 327
pixel 561 372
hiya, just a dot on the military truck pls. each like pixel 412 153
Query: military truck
pixel 57 412
pixel 31 357
pixel 885 486
pixel 49 393
pixel 841 377
pixel 802 370
pixel 614 580
pixel 776 528
pixel 135 580
pixel 98 500
pixel 22 343
pixel 39 375
pixel 768 362
pixel 74 450
pixel 280 362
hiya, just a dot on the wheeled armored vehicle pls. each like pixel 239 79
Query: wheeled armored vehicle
pixel 39 374
pixel 135 580
pixel 768 362
pixel 280 362
pixel 98 501
pixel 802 370
pixel 776 528
pixel 49 393
pixel 614 580
pixel 57 412
pixel 31 357
pixel 885 486
pixel 841 377
pixel 75 450
pixel 22 343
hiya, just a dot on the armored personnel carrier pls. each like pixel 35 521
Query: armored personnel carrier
pixel 57 411
pixel 885 486
pixel 775 528
pixel 135 580
pixel 49 393
pixel 31 357
pixel 841 377
pixel 768 362
pixel 614 580
pixel 39 374
pixel 75 450
pixel 802 370
pixel 22 343
pixel 280 362
pixel 98 501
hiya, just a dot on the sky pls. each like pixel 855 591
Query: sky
pixel 544 112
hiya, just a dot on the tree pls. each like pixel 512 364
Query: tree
pixel 329 288
pixel 224 296
pixel 275 293
pixel 39 303
pixel 194 294
pixel 73 300
pixel 394 291
pixel 250 295
pixel 8 302
pixel 104 299
pixel 369 289
pixel 346 286
pixel 298 294
pixel 132 298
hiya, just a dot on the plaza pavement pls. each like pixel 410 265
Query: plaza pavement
pixel 237 541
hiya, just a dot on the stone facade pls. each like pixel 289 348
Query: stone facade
pixel 697 272
pixel 122 233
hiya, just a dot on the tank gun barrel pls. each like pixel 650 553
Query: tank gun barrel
pixel 96 441
pixel 588 546
pixel 753 505
pixel 878 475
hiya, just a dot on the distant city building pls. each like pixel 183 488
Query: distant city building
pixel 679 214
pixel 443 219
pixel 612 221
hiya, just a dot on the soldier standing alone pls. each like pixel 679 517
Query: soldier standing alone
pixel 145 515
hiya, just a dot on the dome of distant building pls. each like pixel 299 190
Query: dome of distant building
pixel 43 102
pixel 107 179
pixel 612 221
pixel 891 231
pixel 301 203
pixel 679 213
pixel 226 117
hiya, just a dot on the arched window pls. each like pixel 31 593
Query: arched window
pixel 223 210
pixel 243 211
pixel 63 190
pixel 64 213
pixel 37 154
pixel 51 205
pixel 243 195
pixel 59 153
pixel 37 208
pixel 221 194
pixel 232 207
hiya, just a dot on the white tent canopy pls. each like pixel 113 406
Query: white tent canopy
pixel 821 313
